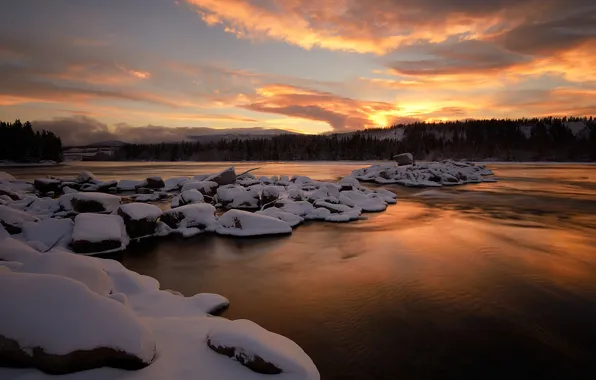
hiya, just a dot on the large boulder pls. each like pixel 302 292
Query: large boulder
pixel 98 233
pixel 60 326
pixel 404 159
pixel 12 220
pixel 259 350
pixel 225 177
pixel 140 219
pixel 46 185
pixel 90 202
pixel 154 183
pixel 243 223
pixel 200 216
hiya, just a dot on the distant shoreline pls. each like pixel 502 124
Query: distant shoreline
pixel 29 164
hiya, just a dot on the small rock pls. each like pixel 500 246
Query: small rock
pixel 155 183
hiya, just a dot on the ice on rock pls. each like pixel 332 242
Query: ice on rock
pixel 90 202
pixel 129 185
pixel 12 220
pixel 140 219
pixel 46 318
pixel 243 223
pixel 204 187
pixel 187 197
pixel 258 349
pixel 50 232
pixel 200 216
pixel 65 264
pixel 292 219
pixel 433 174
pixel 238 197
pixel 98 233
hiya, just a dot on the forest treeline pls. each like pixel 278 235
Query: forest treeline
pixel 515 140
pixel 19 143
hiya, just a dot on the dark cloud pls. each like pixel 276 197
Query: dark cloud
pixel 468 56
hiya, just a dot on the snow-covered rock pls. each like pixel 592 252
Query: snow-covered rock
pixel 200 216
pixel 175 183
pixel 12 220
pixel 7 191
pixel 270 194
pixel 258 349
pixel 405 159
pixel 299 208
pixel 243 223
pixel 349 183
pixel 433 174
pixel 50 232
pixel 85 176
pixel 43 207
pixel 238 197
pixel 98 233
pixel 187 197
pixel 225 177
pixel 208 188
pixel 128 185
pixel 367 202
pixel 389 196
pixel 77 267
pixel 90 202
pixel 68 190
pixel 140 219
pixel 292 219
pixel 58 325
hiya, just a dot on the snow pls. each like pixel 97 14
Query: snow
pixel 238 197
pixel 243 223
pixel 367 202
pixel 205 187
pixel 109 202
pixel 98 227
pixel 43 207
pixel 349 183
pixel 6 176
pixel 129 184
pixel 300 208
pixel 49 232
pixel 138 211
pixel 250 340
pixel 14 250
pixel 292 219
pixel 84 320
pixel 201 215
pixel 68 190
pixel 65 264
pixel 187 197
pixel 176 182
pixel 433 174
pixel 14 219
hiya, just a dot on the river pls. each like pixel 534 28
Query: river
pixel 495 280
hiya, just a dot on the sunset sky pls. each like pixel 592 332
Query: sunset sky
pixel 104 68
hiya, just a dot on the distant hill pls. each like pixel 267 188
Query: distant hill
pixel 240 135
pixel 107 144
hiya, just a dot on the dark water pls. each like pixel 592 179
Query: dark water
pixel 496 280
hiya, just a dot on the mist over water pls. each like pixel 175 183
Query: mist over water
pixel 495 280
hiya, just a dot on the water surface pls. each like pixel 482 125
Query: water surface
pixel 496 280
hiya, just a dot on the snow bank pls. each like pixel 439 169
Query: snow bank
pixel 243 223
pixel 65 264
pixel 12 220
pixel 97 233
pixel 60 316
pixel 14 250
pixel 49 232
pixel 433 174
pixel 259 349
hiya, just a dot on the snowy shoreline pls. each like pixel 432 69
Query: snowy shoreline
pixel 70 312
